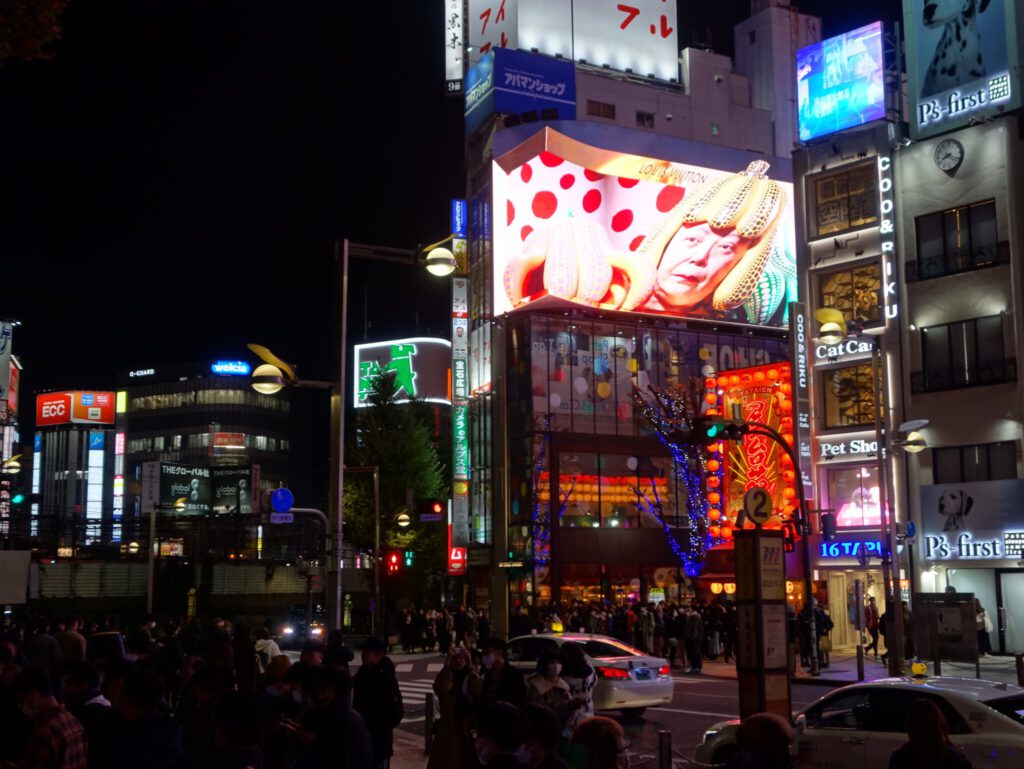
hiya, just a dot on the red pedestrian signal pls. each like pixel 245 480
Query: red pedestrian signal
pixel 788 537
pixel 394 562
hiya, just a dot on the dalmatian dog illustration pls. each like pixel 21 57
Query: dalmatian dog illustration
pixel 957 59
pixel 954 505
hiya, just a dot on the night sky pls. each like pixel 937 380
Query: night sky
pixel 174 182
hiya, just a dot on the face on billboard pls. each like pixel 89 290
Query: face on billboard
pixel 958 60
pixel 840 82
pixel 614 231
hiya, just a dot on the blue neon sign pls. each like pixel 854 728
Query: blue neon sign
pixel 850 549
pixel 231 368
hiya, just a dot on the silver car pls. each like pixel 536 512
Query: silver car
pixel 628 680
pixel 861 725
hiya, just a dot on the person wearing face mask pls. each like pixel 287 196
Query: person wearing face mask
pixel 57 740
pixel 450 748
pixel 500 737
pixel 546 687
pixel 331 734
pixel 501 681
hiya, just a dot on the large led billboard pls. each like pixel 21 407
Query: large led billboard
pixel 962 61
pixel 89 408
pixel 597 228
pixel 419 365
pixel 840 82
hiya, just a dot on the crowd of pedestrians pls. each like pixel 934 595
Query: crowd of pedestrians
pixel 494 716
pixel 77 695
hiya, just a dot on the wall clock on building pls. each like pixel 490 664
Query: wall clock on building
pixel 949 154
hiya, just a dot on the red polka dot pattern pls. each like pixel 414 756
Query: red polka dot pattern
pixel 668 198
pixel 592 201
pixel 622 220
pixel 593 176
pixel 525 232
pixel 510 211
pixel 627 183
pixel 634 244
pixel 567 181
pixel 526 173
pixel 544 204
pixel 550 159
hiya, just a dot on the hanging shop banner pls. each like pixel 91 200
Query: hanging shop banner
pixel 799 341
pixel 454 46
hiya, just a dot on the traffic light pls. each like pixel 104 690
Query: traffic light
pixel 408 558
pixel 18 498
pixel 710 429
pixel 788 537
pixel 828 527
pixel 394 562
pixel 432 509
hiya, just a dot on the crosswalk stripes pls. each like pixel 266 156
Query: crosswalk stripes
pixel 414 692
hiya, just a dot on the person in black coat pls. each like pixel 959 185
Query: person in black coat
pixel 378 699
pixel 501 682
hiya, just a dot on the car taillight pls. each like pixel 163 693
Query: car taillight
pixel 612 673
pixel 664 670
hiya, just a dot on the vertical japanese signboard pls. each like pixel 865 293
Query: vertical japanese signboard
pixel 460 412
pixel 800 356
pixel 454 46
pixel 6 332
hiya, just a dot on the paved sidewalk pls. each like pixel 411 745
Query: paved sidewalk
pixel 843 670
pixel 409 752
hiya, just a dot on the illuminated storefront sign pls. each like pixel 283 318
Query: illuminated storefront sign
pixel 972 521
pixel 847 448
pixel 887 233
pixel 762 395
pixel 454 45
pixel 612 231
pixel 460 529
pixel 799 354
pixel 419 366
pixel 75 408
pixel 850 549
pixel 142 372
pixel 231 368
pixel 962 62
pixel 846 350
pixel 457 560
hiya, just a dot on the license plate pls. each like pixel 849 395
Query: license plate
pixel 642 674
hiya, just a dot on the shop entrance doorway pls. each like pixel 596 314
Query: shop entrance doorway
pixel 841 605
pixel 1011 611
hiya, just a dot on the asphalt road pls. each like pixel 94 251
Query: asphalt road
pixel 697 703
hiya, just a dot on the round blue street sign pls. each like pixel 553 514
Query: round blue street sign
pixel 911 529
pixel 281 500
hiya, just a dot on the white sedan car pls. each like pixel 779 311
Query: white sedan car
pixel 861 725
pixel 628 680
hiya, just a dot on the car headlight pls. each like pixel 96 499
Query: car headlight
pixel 288 630
pixel 709 735
pixel 316 631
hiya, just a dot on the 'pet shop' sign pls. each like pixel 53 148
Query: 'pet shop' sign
pixel 972 521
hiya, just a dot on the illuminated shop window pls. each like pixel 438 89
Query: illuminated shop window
pixel 857 293
pixel 846 200
pixel 855 497
pixel 849 396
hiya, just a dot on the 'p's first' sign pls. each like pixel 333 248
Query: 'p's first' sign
pixel 83 408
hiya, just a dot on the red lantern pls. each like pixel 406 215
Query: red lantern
pixel 727 532
pixel 788 492
pixel 714 531
pixel 710 383
pixel 714 514
pixel 714 497
pixel 711 399
pixel 734 380
pixel 713 465
pixel 759 376
pixel 714 481
pixel 773 374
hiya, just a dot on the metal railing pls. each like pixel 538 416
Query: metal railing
pixel 937 380
pixel 956 261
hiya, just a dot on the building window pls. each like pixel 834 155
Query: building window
pixel 751 37
pixel 714 129
pixel 644 119
pixel 968 353
pixel 849 397
pixel 857 292
pixel 846 200
pixel 984 462
pixel 600 109
pixel 855 496
pixel 958 240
